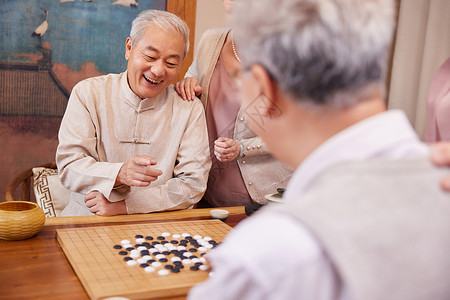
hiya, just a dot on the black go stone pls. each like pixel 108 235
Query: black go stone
pixel 123 252
pixel 145 252
pixel 151 261
pixel 170 267
pixel 192 250
pixel 143 265
pixel 117 247
pixel 127 258
pixel 137 245
pixel 146 244
pixel 139 236
pixel 198 264
pixel 155 243
pixel 174 242
pixel 129 248
pixel 161 238
pixel 175 270
pixel 156 253
pixel 194 268
pixel 149 238
pixel 192 256
pixel 163 259
pixel 166 252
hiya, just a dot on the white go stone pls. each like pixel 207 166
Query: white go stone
pixel 156 264
pixel 124 242
pixel 142 260
pixel 131 263
pixel 163 272
pixel 176 236
pixel 165 234
pixel 139 241
pixel 149 269
pixel 203 267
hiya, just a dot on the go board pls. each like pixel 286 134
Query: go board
pixel 104 272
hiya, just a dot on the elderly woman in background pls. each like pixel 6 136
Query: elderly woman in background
pixel 243 171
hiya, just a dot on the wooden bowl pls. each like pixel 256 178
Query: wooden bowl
pixel 20 220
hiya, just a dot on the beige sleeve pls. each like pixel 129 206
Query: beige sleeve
pixel 76 155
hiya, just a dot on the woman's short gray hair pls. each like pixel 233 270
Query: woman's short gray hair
pixel 321 52
pixel 163 19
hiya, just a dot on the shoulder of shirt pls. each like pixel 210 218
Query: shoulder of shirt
pixel 266 225
pixel 98 80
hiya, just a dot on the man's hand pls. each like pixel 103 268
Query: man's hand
pixel 99 205
pixel 188 88
pixel 137 171
pixel 440 156
pixel 226 149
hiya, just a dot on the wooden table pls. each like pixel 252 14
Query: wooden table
pixel 37 268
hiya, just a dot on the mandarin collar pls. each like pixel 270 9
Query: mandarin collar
pixel 135 101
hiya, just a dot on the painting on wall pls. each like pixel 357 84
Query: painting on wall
pixel 46 47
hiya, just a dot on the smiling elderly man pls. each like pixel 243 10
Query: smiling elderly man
pixel 128 143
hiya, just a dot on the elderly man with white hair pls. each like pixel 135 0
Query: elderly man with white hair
pixel 128 143
pixel 364 217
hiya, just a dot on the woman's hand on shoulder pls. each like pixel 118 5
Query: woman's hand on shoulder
pixel 188 88
pixel 440 156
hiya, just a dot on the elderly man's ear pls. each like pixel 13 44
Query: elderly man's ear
pixel 268 87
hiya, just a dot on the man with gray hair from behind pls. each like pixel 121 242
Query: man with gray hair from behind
pixel 363 217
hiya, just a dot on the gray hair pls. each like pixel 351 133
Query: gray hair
pixel 165 20
pixel 320 52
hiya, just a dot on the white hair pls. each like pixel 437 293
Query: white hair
pixel 321 52
pixel 163 19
